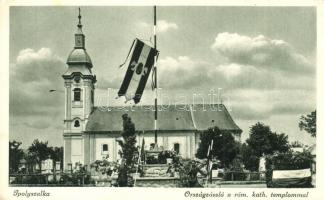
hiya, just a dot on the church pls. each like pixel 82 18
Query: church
pixel 90 132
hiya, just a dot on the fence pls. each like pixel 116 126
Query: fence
pixel 243 176
pixel 55 179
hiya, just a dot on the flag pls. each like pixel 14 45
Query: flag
pixel 139 68
pixel 210 148
pixel 211 145
pixel 291 178
pixel 143 150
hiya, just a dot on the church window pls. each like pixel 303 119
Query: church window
pixel 76 123
pixel 104 149
pixel 176 147
pixel 77 94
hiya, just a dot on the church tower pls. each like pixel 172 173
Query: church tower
pixel 79 99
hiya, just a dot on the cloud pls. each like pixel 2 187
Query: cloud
pixel 31 78
pixel 250 62
pixel 162 26
pixel 181 72
pixel 184 73
pixel 253 92
pixel 39 124
pixel 253 104
pixel 261 51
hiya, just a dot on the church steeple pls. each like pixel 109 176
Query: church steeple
pixel 79 83
pixel 79 36
pixel 79 55
pixel 79 24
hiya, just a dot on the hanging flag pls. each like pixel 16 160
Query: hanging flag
pixel 143 150
pixel 291 178
pixel 210 148
pixel 208 151
pixel 139 68
pixel 211 145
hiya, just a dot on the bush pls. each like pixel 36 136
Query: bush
pixel 163 155
pixel 289 161
pixel 151 159
pixel 234 176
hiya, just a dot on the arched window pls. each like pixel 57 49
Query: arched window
pixel 77 94
pixel 176 147
pixel 76 123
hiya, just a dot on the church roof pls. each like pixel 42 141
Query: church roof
pixel 79 56
pixel 170 118
pixel 77 69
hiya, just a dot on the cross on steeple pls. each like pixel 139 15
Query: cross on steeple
pixel 79 36
pixel 79 24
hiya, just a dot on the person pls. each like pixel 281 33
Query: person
pixel 262 162
pixel 192 174
pixel 262 167
pixel 122 175
pixel 170 170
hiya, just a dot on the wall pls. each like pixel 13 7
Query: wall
pixel 166 140
pixel 73 150
pixel 112 148
pixel 76 150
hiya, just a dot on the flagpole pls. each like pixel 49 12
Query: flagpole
pixel 155 82
pixel 139 157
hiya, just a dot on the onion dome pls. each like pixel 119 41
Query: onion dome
pixel 79 54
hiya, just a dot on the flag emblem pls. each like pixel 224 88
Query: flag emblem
pixel 139 68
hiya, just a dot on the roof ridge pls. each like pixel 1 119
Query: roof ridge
pixel 159 105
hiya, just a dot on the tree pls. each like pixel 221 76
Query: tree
pixel 263 141
pixel 15 155
pixel 250 160
pixel 279 142
pixel 225 148
pixel 308 123
pixel 56 154
pixel 38 151
pixel 128 151
pixel 296 144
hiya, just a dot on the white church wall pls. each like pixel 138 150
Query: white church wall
pixel 76 150
pixel 77 111
pixel 112 149
pixel 182 141
pixel 149 139
pixel 76 129
pixel 166 140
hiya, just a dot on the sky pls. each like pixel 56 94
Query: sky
pixel 263 59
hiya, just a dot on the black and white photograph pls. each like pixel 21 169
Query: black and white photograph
pixel 159 96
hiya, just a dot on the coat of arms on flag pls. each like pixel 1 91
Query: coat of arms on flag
pixel 139 68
